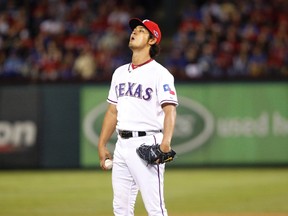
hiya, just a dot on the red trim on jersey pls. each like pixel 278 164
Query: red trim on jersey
pixel 136 66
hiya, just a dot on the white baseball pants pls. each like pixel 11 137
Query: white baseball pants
pixel 131 174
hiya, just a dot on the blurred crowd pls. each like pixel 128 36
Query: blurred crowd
pixel 52 40
pixel 231 39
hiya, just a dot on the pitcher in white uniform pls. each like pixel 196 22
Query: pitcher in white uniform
pixel 142 109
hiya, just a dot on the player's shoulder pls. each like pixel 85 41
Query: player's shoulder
pixel 159 68
pixel 121 69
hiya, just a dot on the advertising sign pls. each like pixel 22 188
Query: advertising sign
pixel 217 124
pixel 18 128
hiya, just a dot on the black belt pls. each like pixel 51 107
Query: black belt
pixel 128 134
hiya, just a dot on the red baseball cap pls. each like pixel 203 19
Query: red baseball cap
pixel 152 27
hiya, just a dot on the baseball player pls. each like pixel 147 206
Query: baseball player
pixel 142 109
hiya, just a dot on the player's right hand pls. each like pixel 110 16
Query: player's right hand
pixel 103 153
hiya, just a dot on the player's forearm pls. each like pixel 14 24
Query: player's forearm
pixel 169 125
pixel 108 126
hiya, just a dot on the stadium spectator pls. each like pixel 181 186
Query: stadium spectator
pixel 14 65
pixel 85 64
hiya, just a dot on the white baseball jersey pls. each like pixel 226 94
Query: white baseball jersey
pixel 139 94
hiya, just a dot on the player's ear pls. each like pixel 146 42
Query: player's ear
pixel 152 41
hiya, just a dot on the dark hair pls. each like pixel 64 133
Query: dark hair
pixel 154 49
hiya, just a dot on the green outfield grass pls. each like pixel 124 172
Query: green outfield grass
pixel 188 192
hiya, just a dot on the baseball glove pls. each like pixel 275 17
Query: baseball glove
pixel 152 154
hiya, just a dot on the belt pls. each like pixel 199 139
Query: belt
pixel 128 134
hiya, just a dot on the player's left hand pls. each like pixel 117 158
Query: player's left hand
pixel 165 148
pixel 152 154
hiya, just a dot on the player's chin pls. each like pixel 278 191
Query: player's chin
pixel 131 44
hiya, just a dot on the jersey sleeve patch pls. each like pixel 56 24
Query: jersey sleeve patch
pixel 167 88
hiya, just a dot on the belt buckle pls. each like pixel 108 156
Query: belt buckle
pixel 124 134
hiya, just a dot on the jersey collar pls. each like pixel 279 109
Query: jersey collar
pixel 136 66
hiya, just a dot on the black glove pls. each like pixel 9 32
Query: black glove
pixel 152 154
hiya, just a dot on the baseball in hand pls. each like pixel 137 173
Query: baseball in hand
pixel 108 163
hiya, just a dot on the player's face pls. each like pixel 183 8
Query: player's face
pixel 139 37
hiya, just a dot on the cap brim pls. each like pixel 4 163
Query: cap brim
pixel 134 22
